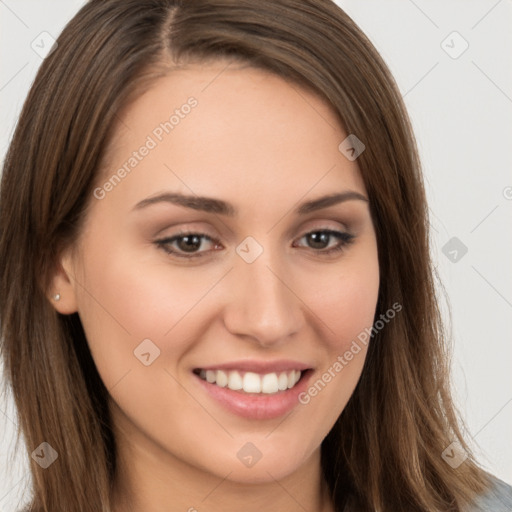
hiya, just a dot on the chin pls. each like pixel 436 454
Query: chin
pixel 252 465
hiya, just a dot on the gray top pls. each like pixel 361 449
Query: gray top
pixel 497 499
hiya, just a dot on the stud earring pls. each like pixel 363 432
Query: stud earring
pixel 57 296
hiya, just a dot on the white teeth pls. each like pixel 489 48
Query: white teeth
pixel 282 382
pixel 221 379
pixel 234 381
pixel 252 382
pixel 269 383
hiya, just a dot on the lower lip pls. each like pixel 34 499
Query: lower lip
pixel 257 406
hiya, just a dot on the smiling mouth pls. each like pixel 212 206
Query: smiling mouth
pixel 250 382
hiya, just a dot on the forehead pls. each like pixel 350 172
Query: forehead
pixel 215 128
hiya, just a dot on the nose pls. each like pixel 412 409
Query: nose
pixel 262 304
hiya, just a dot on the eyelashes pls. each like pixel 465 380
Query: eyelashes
pixel 184 245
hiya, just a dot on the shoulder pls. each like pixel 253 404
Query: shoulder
pixel 497 499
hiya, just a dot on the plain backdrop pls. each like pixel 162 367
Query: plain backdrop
pixel 451 62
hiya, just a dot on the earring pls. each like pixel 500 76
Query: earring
pixel 57 296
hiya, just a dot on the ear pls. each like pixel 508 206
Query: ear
pixel 62 290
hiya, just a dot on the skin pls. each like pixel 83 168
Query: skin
pixel 263 145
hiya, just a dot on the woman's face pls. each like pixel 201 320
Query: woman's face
pixel 265 282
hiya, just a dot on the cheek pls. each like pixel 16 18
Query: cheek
pixel 346 305
pixel 124 301
pixel 346 300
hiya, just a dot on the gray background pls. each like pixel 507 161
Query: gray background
pixel 461 108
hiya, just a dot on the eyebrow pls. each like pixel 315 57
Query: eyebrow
pixel 211 205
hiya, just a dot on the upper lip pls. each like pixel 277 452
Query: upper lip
pixel 251 365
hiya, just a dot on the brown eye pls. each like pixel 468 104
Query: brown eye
pixel 189 243
pixel 186 245
pixel 320 239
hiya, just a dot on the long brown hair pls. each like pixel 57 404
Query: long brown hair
pixel 384 452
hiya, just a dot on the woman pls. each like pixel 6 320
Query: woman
pixel 216 285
